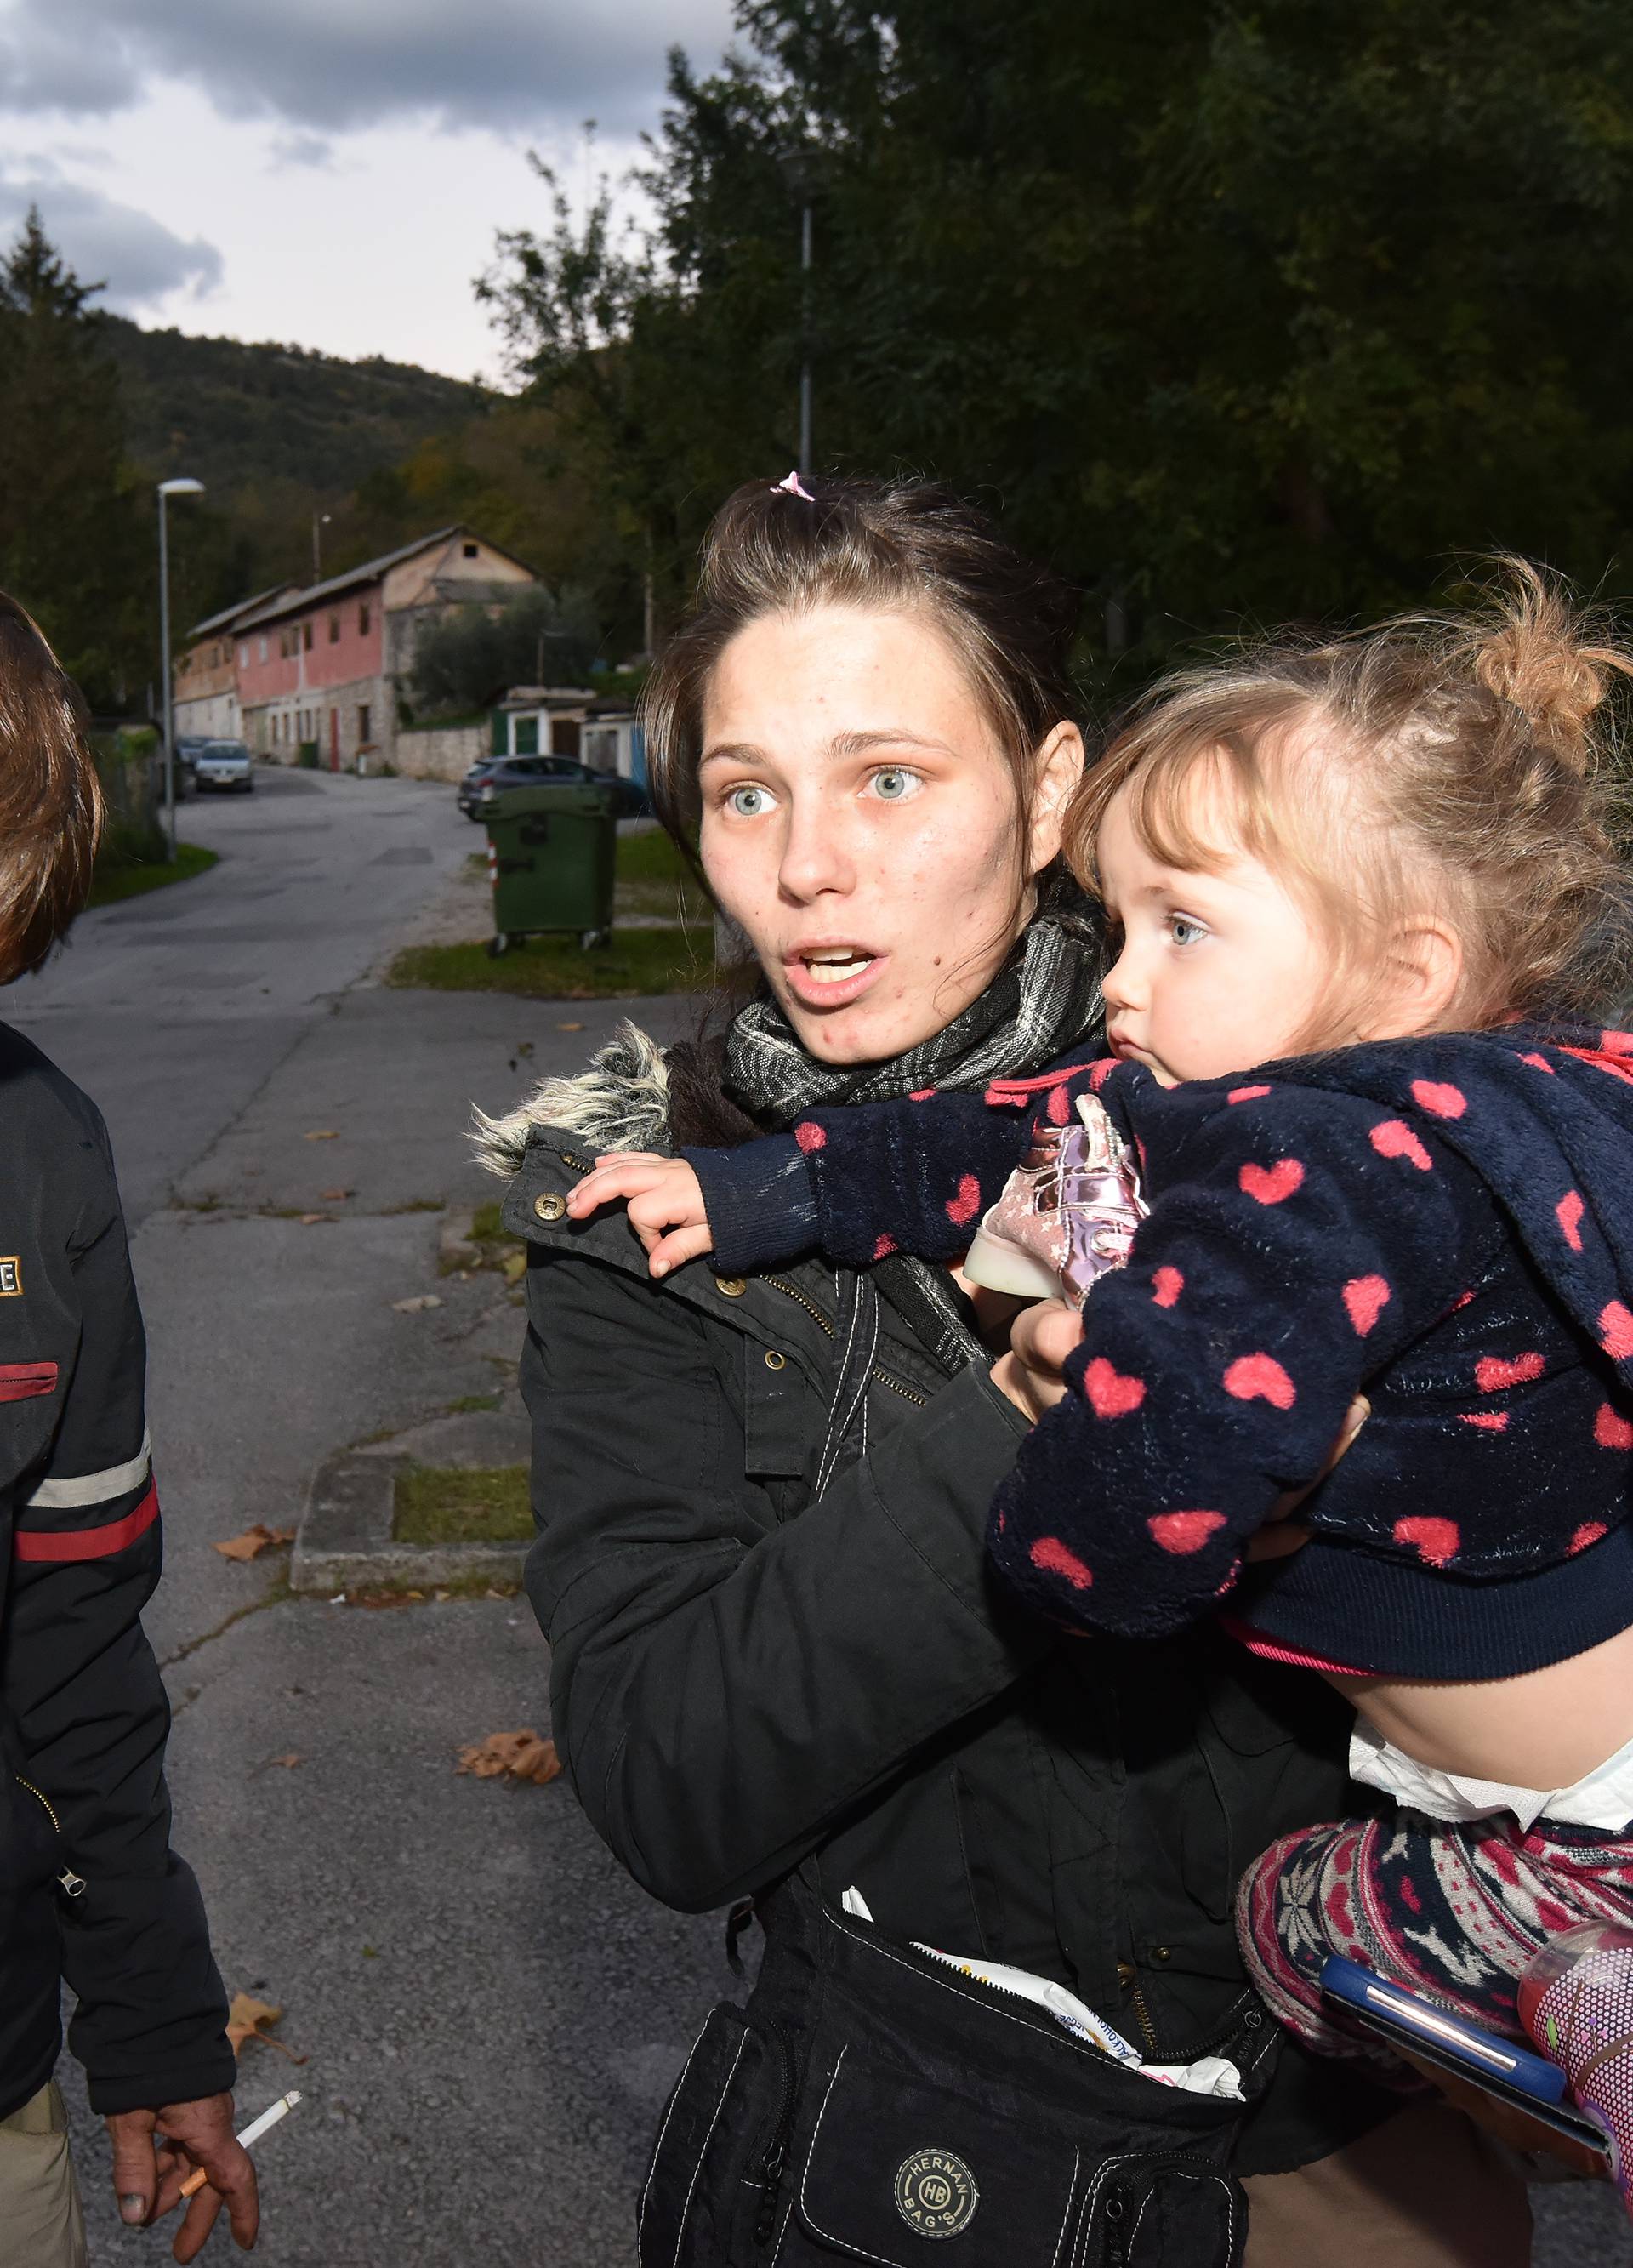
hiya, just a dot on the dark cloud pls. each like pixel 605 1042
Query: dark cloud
pixel 141 261
pixel 326 65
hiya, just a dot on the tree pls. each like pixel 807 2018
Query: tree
pixel 1238 316
pixel 72 537
pixel 478 651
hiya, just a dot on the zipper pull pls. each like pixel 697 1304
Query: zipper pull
pixel 70 1884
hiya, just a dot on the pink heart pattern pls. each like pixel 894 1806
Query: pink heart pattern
pixel 1166 1286
pixel 1270 1184
pixel 1438 1098
pixel 1433 1539
pixel 1366 1298
pixel 1615 1331
pixel 1184 1532
pixel 1494 1371
pixel 1567 1212
pixel 962 1208
pixel 1110 1394
pixel 1057 1558
pixel 1612 1431
pixel 1260 1377
pixel 1395 1138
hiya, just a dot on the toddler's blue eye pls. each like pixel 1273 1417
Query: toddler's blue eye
pixel 1183 930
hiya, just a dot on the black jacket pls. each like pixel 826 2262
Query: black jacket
pixel 743 1679
pixel 90 1889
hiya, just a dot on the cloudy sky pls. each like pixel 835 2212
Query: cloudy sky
pixel 328 172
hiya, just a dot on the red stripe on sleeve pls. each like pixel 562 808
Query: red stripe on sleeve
pixel 66 1544
pixel 20 1382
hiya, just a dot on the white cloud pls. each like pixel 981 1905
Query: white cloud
pixel 338 64
pixel 141 262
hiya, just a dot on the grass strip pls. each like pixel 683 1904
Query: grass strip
pixel 462 1503
pixel 113 883
pixel 637 961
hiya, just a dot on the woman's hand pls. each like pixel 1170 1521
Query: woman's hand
pixel 664 1200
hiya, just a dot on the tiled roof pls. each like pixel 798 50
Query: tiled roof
pixel 296 601
pixel 244 607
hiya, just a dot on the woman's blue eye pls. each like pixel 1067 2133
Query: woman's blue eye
pixel 748 802
pixel 894 786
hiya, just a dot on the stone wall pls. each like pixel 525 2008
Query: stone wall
pixel 442 752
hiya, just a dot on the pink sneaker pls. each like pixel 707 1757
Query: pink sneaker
pixel 1067 1215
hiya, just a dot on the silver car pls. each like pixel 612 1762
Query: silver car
pixel 224 764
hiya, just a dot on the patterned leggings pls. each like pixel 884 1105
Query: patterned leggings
pixel 1453 1912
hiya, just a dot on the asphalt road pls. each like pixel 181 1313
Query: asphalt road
pixel 491 2013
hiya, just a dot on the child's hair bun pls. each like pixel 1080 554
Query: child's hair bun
pixel 1538 655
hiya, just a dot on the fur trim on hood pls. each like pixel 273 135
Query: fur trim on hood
pixel 620 1102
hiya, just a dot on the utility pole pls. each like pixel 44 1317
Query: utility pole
pixel 319 521
pixel 167 488
pixel 805 330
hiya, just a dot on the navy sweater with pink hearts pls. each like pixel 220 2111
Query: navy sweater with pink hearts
pixel 1443 1224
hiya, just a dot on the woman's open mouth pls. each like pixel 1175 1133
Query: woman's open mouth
pixel 828 976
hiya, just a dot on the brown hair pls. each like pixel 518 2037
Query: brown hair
pixel 50 797
pixel 1460 762
pixel 904 545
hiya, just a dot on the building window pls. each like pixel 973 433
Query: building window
pixel 305 636
pixel 471 551
pixel 362 618
pixel 362 721
pixel 263 649
pixel 244 655
pixel 334 629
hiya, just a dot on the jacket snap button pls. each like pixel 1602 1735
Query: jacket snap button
pixel 549 1206
pixel 1162 1953
pixel 775 1361
pixel 729 1287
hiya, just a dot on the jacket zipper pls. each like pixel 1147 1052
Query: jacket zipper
pixel 774 2157
pixel 73 1884
pixel 878 1374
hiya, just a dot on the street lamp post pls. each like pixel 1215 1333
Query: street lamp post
pixel 805 325
pixel 319 521
pixel 167 488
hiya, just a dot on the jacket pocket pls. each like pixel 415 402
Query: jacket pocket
pixel 1152 2212
pixel 711 2192
pixel 893 2161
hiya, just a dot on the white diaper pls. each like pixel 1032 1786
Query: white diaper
pixel 1604 1799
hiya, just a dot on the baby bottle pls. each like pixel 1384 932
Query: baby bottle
pixel 1575 2001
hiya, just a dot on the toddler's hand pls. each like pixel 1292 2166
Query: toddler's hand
pixel 665 1203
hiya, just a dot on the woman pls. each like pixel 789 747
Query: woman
pixel 781 1671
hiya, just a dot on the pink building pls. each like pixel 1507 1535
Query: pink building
pixel 324 665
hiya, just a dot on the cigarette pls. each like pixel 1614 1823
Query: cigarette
pixel 253 2133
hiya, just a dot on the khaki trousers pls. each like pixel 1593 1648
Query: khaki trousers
pixel 1425 2190
pixel 40 2223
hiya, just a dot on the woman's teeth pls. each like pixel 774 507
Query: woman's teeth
pixel 834 968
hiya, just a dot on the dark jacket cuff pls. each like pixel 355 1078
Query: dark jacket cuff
pixel 760 1202
pixel 214 2071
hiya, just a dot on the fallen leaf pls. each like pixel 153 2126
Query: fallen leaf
pixel 254 1541
pixel 310 1219
pixel 515 1266
pixel 525 1047
pixel 515 1755
pixel 324 1134
pixel 286 1764
pixel 246 2019
pixel 418 1306
pixel 335 1196
pixel 569 1027
pixel 370 1952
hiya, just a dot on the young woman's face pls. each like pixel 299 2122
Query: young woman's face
pixel 861 824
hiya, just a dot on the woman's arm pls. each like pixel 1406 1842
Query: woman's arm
pixel 726 1686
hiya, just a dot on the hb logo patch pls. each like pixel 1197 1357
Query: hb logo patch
pixel 11 1278
pixel 936 2193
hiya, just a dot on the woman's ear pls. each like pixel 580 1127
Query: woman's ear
pixel 1059 768
pixel 1422 977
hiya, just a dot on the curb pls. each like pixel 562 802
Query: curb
pixel 344 1538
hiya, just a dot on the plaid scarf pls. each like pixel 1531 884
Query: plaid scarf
pixel 1043 999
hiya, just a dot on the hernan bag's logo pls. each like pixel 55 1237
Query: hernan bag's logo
pixel 936 2193
pixel 11 1278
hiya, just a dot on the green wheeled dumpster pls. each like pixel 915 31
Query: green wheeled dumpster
pixel 551 852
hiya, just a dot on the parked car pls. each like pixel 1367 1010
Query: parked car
pixel 486 779
pixel 224 764
pixel 187 746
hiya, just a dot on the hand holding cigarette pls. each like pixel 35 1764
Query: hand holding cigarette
pixel 156 2150
pixel 248 2135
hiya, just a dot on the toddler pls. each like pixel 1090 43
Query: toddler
pixel 1366 905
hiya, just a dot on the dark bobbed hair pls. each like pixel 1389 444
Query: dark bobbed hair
pixel 51 805
pixel 900 545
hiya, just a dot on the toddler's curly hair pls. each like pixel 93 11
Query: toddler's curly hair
pixel 1460 765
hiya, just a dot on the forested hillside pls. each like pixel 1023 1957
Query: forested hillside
pixel 234 414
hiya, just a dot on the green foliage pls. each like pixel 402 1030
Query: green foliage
pixel 638 962
pixel 462 1503
pixel 72 534
pixel 477 652
pixel 1237 317
pixel 129 880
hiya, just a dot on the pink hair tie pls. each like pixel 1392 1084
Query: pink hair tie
pixel 792 486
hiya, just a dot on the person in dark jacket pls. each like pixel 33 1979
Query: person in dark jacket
pixel 781 1671
pixel 89 1890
